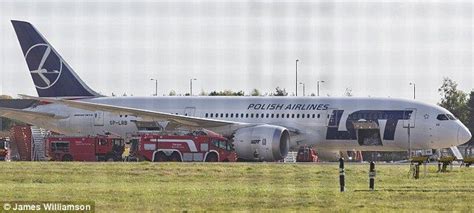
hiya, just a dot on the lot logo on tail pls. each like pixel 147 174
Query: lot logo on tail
pixel 44 64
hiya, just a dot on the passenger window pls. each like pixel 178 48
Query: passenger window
pixel 319 115
pixel 256 115
pixel 222 115
pixel 278 115
pixel 206 115
pixel 251 115
pixel 262 115
pixel 292 115
pixel 442 117
pixel 227 115
pixel 313 115
pixel 246 115
pixel 297 115
pixel 272 115
pixel 241 115
pixel 287 115
pixel 268 115
pixel 236 115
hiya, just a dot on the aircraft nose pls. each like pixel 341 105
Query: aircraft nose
pixel 464 135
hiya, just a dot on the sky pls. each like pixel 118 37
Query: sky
pixel 375 48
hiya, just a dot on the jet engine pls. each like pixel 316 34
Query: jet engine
pixel 262 143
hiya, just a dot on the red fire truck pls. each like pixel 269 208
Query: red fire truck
pixel 306 154
pixel 92 148
pixel 195 146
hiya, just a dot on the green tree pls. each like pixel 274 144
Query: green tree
pixel 255 92
pixel 172 93
pixel 280 92
pixel 453 99
pixel 470 109
pixel 227 93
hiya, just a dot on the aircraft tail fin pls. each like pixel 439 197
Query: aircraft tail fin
pixel 52 76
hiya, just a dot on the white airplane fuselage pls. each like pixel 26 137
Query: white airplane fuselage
pixel 366 124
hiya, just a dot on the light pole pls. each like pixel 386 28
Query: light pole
pixel 296 81
pixel 318 85
pixel 156 86
pixel 191 86
pixel 303 88
pixel 414 89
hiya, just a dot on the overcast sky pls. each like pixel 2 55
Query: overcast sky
pixel 374 48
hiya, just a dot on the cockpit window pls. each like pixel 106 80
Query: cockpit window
pixel 451 117
pixel 442 117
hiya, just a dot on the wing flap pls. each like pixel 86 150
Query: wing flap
pixel 27 116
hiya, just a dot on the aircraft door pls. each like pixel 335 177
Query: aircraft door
pixel 189 111
pixel 332 117
pixel 98 118
pixel 409 117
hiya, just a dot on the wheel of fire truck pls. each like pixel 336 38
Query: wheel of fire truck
pixel 212 157
pixel 67 157
pixel 110 158
pixel 175 157
pixel 160 157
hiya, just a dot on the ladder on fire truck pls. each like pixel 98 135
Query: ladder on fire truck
pixel 38 150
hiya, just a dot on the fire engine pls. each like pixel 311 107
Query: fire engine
pixel 3 148
pixel 306 154
pixel 193 146
pixel 90 148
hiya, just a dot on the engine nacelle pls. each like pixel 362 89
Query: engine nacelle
pixel 262 143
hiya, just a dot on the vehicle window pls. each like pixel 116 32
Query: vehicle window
pixel 206 115
pixel 241 115
pixel 118 142
pixel 273 115
pixel 230 146
pixel 451 117
pixel 102 142
pixel 278 115
pixel 442 117
pixel 60 146
pixel 256 115
pixel 268 115
pixel 215 143
pixel 222 144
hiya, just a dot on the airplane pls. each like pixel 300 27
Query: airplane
pixel 261 128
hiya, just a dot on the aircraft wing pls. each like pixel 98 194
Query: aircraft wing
pixel 25 116
pixel 147 115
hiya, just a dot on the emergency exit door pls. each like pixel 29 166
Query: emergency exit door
pixel 409 118
pixel 189 111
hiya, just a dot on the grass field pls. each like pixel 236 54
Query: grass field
pixel 241 186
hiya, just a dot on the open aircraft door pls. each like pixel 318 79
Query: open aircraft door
pixel 98 118
pixel 332 116
pixel 409 118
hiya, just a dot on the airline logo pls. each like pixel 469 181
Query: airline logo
pixel 392 118
pixel 44 64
